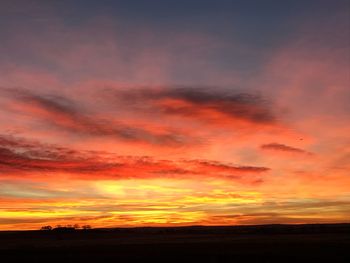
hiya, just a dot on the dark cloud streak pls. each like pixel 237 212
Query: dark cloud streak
pixel 194 100
pixel 284 148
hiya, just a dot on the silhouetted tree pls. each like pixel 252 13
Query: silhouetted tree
pixel 86 227
pixel 46 228
pixel 64 228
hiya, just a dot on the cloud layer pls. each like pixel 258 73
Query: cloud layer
pixel 173 114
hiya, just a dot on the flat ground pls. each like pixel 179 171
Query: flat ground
pixel 271 243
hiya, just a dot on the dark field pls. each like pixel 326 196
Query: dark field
pixel 270 243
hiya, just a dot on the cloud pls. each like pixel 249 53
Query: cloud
pixel 65 114
pixel 209 104
pixel 19 157
pixel 218 166
pixel 284 148
pixel 33 162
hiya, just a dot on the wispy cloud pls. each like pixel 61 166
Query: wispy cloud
pixel 284 148
pixel 66 114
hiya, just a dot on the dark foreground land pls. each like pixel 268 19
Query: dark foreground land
pixel 269 243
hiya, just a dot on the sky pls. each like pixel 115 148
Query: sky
pixel 169 113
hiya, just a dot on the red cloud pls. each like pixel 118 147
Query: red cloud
pixel 21 157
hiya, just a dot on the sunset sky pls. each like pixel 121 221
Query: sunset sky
pixel 168 112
